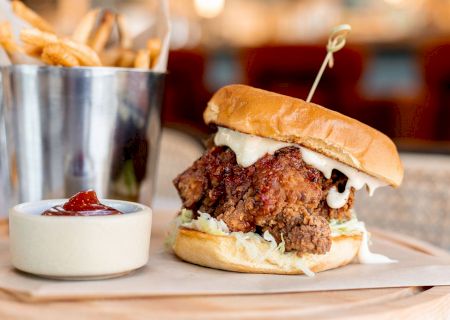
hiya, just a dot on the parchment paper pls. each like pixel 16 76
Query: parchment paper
pixel 160 28
pixel 166 275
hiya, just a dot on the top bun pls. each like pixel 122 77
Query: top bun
pixel 271 115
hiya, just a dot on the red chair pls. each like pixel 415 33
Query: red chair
pixel 186 95
pixel 436 71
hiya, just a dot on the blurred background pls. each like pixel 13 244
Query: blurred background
pixel 393 74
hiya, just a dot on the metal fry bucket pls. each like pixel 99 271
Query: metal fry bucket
pixel 69 129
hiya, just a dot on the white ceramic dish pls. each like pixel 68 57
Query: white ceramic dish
pixel 79 247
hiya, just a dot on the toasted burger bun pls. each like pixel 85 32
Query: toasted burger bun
pixel 267 114
pixel 224 252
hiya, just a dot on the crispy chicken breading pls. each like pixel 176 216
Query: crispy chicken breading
pixel 279 193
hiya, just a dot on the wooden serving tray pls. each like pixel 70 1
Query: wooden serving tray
pixel 392 303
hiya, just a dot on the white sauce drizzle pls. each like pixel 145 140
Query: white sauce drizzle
pixel 352 227
pixel 365 256
pixel 249 149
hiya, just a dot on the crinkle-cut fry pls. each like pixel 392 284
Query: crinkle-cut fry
pixel 142 60
pixel 126 59
pixel 154 45
pixel 85 27
pixel 58 55
pixel 124 34
pixel 22 11
pixel 103 32
pixel 37 38
pixel 85 55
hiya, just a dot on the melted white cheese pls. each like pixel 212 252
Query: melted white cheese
pixel 249 149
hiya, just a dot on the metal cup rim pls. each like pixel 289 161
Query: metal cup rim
pixel 102 69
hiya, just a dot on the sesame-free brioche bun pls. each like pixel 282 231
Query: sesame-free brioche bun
pixel 226 253
pixel 271 115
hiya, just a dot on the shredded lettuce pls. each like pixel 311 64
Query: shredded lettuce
pixel 186 216
pixel 348 228
pixel 250 241
pixel 206 223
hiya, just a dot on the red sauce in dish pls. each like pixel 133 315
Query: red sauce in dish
pixel 84 203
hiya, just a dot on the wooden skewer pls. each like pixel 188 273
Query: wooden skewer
pixel 336 42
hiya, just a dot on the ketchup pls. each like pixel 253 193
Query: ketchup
pixel 84 203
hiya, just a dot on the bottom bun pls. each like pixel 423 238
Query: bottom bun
pixel 227 253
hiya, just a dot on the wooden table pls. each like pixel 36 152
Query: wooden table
pixel 394 303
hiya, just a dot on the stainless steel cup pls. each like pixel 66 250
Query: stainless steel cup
pixel 69 129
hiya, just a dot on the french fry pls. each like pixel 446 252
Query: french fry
pixel 7 40
pixel 33 51
pixel 5 30
pixel 22 11
pixel 103 32
pixel 124 34
pixel 154 45
pixel 37 38
pixel 84 29
pixel 126 59
pixel 58 55
pixel 10 46
pixel 110 57
pixel 142 60
pixel 85 55
pixel 46 59
pixel 91 44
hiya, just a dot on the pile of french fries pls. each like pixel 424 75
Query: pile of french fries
pixel 100 39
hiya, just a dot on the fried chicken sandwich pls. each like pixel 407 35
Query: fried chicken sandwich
pixel 274 193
